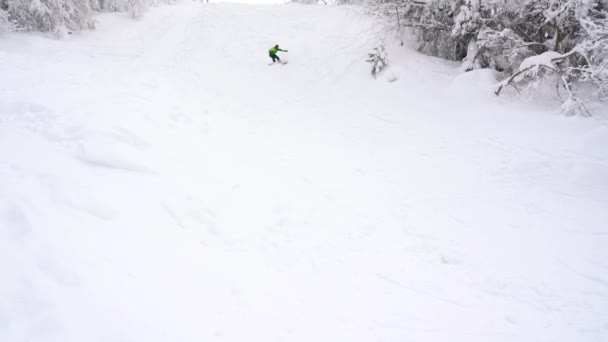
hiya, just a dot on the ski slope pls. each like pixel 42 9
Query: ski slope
pixel 161 182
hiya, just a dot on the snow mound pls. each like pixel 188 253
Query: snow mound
pixel 391 74
pixel 475 82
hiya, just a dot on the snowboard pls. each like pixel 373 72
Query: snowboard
pixel 284 62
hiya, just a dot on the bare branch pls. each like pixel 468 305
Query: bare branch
pixel 511 78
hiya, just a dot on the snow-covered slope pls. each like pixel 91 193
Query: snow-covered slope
pixel 161 182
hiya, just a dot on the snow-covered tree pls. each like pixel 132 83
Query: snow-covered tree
pixel 566 39
pixel 6 25
pixel 594 53
pixel 50 15
pixel 434 31
pixel 585 66
pixel 137 8
pixel 111 5
pixel 62 16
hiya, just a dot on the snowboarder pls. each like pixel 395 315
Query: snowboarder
pixel 272 52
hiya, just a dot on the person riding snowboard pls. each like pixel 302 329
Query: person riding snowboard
pixel 273 53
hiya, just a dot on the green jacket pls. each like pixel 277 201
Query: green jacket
pixel 273 50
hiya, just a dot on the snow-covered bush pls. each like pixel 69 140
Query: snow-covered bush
pixel 534 69
pixel 378 60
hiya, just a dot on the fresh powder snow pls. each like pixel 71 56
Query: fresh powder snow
pixel 160 182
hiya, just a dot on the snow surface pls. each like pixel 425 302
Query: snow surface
pixel 161 183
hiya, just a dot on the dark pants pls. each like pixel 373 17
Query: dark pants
pixel 274 57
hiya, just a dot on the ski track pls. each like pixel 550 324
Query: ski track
pixel 161 183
